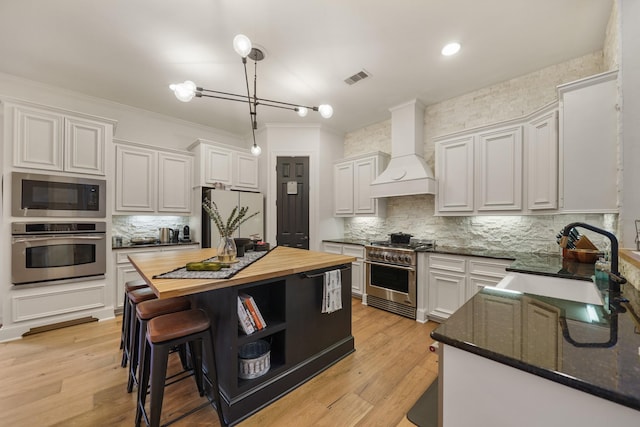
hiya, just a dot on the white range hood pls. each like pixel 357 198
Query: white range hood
pixel 407 172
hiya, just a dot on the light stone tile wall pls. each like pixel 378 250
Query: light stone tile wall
pixel 503 101
pixel 145 225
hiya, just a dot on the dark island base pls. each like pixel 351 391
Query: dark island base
pixel 303 340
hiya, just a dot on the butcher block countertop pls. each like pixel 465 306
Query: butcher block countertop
pixel 279 262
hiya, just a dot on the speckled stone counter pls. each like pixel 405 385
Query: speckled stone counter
pixel 346 241
pixel 562 342
pixel 158 245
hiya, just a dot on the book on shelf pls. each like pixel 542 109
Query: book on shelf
pixel 244 319
pixel 253 310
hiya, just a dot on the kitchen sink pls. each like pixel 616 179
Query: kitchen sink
pixel 555 287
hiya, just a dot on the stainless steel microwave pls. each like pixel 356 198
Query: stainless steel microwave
pixel 57 196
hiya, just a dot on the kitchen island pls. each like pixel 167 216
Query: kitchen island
pixel 287 286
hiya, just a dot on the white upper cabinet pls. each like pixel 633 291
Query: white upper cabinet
pixel 542 160
pixel 56 140
pixel 588 144
pixel 455 174
pixel 151 180
pixel 480 172
pixel 217 163
pixel 499 170
pixel 352 180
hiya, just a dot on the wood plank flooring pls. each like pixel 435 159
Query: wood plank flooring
pixel 72 377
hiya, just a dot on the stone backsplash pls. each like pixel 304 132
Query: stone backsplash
pixel 145 225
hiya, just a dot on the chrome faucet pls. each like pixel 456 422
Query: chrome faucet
pixel 615 278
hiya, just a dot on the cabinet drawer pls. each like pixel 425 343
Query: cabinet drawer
pixel 333 248
pixel 449 263
pixel 121 256
pixel 488 268
pixel 353 250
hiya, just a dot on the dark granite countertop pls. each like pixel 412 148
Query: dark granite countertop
pixel 345 241
pixel 155 245
pixel 600 357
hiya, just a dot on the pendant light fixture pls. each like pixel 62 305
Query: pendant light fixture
pixel 242 45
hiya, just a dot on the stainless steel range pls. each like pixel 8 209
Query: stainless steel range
pixel 391 275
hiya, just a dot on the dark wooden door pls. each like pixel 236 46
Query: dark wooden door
pixel 293 202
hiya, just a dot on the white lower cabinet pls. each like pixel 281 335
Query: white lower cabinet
pixel 125 272
pixel 357 267
pixel 451 280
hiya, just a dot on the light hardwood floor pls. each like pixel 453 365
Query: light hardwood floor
pixel 72 377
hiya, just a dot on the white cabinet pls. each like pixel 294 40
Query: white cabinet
pixel 588 144
pixel 499 169
pixel 352 180
pixel 217 163
pixel 56 140
pixel 451 280
pixel 455 172
pixel 357 267
pixel 542 160
pixel 480 172
pixel 153 181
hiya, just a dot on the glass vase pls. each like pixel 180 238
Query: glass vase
pixel 227 250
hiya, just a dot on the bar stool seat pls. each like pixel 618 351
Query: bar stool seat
pixel 134 298
pixel 145 311
pixel 191 327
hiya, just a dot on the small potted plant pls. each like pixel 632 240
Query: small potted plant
pixel 227 247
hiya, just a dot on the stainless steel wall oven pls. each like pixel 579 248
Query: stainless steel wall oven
pixel 57 196
pixel 53 252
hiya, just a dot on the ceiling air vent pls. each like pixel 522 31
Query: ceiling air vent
pixel 357 77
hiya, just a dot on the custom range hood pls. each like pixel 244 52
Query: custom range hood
pixel 407 172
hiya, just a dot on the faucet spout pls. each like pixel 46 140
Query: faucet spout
pixel 615 278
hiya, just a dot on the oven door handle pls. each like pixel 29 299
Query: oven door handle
pixel 401 267
pixel 43 239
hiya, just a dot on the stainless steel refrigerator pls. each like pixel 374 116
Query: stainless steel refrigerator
pixel 226 201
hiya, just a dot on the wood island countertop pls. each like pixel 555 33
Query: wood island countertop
pixel 279 262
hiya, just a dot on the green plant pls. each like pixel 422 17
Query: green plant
pixel 237 217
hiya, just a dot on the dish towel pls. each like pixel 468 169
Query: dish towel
pixel 332 291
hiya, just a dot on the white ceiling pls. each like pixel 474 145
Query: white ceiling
pixel 129 51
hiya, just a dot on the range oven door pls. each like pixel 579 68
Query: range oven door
pixel 45 258
pixel 391 282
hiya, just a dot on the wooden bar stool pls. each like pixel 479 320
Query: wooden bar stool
pixel 191 327
pixel 134 298
pixel 145 311
pixel 128 287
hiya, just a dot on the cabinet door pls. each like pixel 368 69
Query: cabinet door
pixel 332 248
pixel 364 172
pixel 245 171
pixel 454 167
pixel 447 293
pixel 542 162
pixel 255 203
pixel 85 143
pixel 218 165
pixel 499 170
pixel 357 268
pixel 174 182
pixel 135 179
pixel 589 146
pixel 37 138
pixel 343 188
pixel 124 273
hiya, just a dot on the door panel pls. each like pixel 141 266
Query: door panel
pixel 293 202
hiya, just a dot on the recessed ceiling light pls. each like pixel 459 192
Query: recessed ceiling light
pixel 451 49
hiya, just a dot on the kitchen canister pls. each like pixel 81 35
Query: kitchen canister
pixel 254 359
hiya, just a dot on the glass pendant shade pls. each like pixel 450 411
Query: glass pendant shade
pixel 256 150
pixel 242 45
pixel 184 91
pixel 325 110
